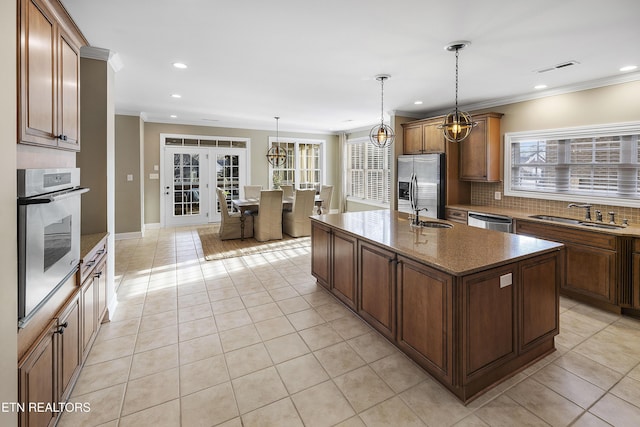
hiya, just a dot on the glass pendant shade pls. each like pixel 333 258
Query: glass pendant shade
pixel 381 135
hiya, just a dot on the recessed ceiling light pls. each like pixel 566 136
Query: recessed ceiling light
pixel 418 103
pixel 176 95
pixel 628 68
pixel 173 116
pixel 180 65
pixel 540 87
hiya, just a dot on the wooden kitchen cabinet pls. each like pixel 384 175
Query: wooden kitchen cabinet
pixel 425 321
pixel 455 215
pixel 635 261
pixel 591 262
pixel 344 268
pixel 480 153
pixel 93 288
pixel 70 351
pixel 376 284
pixel 49 75
pixel 423 136
pixel 321 254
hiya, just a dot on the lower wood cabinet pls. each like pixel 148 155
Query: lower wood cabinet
pixel 321 254
pixel 344 268
pixel 376 284
pixel 425 317
pixel 635 262
pixel 70 351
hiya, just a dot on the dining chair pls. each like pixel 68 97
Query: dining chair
pixel 252 191
pixel 325 195
pixel 230 223
pixel 267 224
pixel 287 190
pixel 296 223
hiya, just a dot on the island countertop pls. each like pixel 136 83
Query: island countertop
pixel 459 250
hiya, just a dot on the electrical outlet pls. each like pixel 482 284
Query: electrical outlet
pixel 130 177
pixel 497 195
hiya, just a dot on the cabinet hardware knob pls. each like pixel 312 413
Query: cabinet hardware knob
pixel 61 328
pixel 98 275
pixel 62 137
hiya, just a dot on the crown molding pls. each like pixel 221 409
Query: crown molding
pixel 100 54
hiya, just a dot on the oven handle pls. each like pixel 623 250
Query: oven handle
pixel 48 198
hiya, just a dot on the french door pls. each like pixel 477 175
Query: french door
pixel 190 178
pixel 185 186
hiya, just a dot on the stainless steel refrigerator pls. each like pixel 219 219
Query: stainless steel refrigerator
pixel 421 184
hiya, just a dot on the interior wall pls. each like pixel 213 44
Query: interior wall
pixel 609 104
pixel 8 212
pixel 258 162
pixel 93 145
pixel 127 197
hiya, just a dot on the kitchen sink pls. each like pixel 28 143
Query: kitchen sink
pixel 557 219
pixel 601 225
pixel 432 224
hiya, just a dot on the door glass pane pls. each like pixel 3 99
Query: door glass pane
pixel 186 184
pixel 228 177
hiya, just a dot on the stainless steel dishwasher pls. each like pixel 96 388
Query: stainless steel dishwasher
pixel 490 221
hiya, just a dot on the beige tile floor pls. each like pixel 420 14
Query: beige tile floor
pixel 253 341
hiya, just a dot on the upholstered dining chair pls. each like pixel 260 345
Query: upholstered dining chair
pixel 267 224
pixel 297 223
pixel 252 191
pixel 287 190
pixel 325 195
pixel 230 222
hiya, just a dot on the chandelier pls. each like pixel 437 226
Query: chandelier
pixel 276 154
pixel 457 124
pixel 381 135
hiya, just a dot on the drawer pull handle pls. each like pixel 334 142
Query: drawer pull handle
pixel 91 263
pixel 98 274
pixel 61 328
pixel 100 252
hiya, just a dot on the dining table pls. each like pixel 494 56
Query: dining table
pixel 244 205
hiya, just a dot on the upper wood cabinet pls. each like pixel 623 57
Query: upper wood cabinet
pixel 49 75
pixel 423 136
pixel 480 152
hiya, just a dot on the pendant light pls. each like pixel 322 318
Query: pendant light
pixel 276 154
pixel 382 135
pixel 457 124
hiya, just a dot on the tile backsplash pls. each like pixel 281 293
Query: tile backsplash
pixel 482 194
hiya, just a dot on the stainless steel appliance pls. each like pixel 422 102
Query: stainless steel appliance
pixel 48 234
pixel 490 221
pixel 421 184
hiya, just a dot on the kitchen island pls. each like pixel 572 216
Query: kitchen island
pixel 471 306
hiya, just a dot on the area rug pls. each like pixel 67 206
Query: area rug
pixel 214 248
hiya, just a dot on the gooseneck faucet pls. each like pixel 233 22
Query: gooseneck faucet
pixel 585 206
pixel 416 219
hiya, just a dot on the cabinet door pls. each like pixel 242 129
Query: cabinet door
pixel 540 285
pixel 473 154
pixel 89 315
pixel 68 93
pixel 100 279
pixel 344 268
pixel 69 348
pixel 38 74
pixel 321 254
pixel 412 137
pixel 376 288
pixel 489 319
pixel 425 321
pixel 636 280
pixel 433 138
pixel 591 271
pixel 37 380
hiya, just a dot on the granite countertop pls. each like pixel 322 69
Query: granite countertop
pixel 632 230
pixel 459 250
pixel 89 241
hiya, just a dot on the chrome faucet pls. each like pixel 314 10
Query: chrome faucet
pixel 598 216
pixel 586 207
pixel 416 219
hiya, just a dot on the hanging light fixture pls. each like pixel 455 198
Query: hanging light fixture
pixel 381 135
pixel 276 154
pixel 457 124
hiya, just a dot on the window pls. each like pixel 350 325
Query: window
pixel 368 171
pixel 303 167
pixel 599 164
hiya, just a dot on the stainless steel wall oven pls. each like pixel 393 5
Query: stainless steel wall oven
pixel 48 234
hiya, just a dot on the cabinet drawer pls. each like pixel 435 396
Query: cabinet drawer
pixel 636 245
pixel 456 215
pixel 89 262
pixel 566 234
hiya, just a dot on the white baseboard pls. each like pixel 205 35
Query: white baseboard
pixel 111 310
pixel 131 235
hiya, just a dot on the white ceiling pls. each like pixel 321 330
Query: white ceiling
pixel 314 62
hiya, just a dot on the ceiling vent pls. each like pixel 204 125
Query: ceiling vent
pixel 557 66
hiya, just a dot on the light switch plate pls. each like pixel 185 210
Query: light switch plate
pixel 130 177
pixel 156 168
pixel 506 280
pixel 497 195
pixel 154 176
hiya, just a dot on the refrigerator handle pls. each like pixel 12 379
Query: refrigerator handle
pixel 411 192
pixel 414 188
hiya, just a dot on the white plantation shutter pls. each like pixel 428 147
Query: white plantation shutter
pixel 592 163
pixel 368 171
